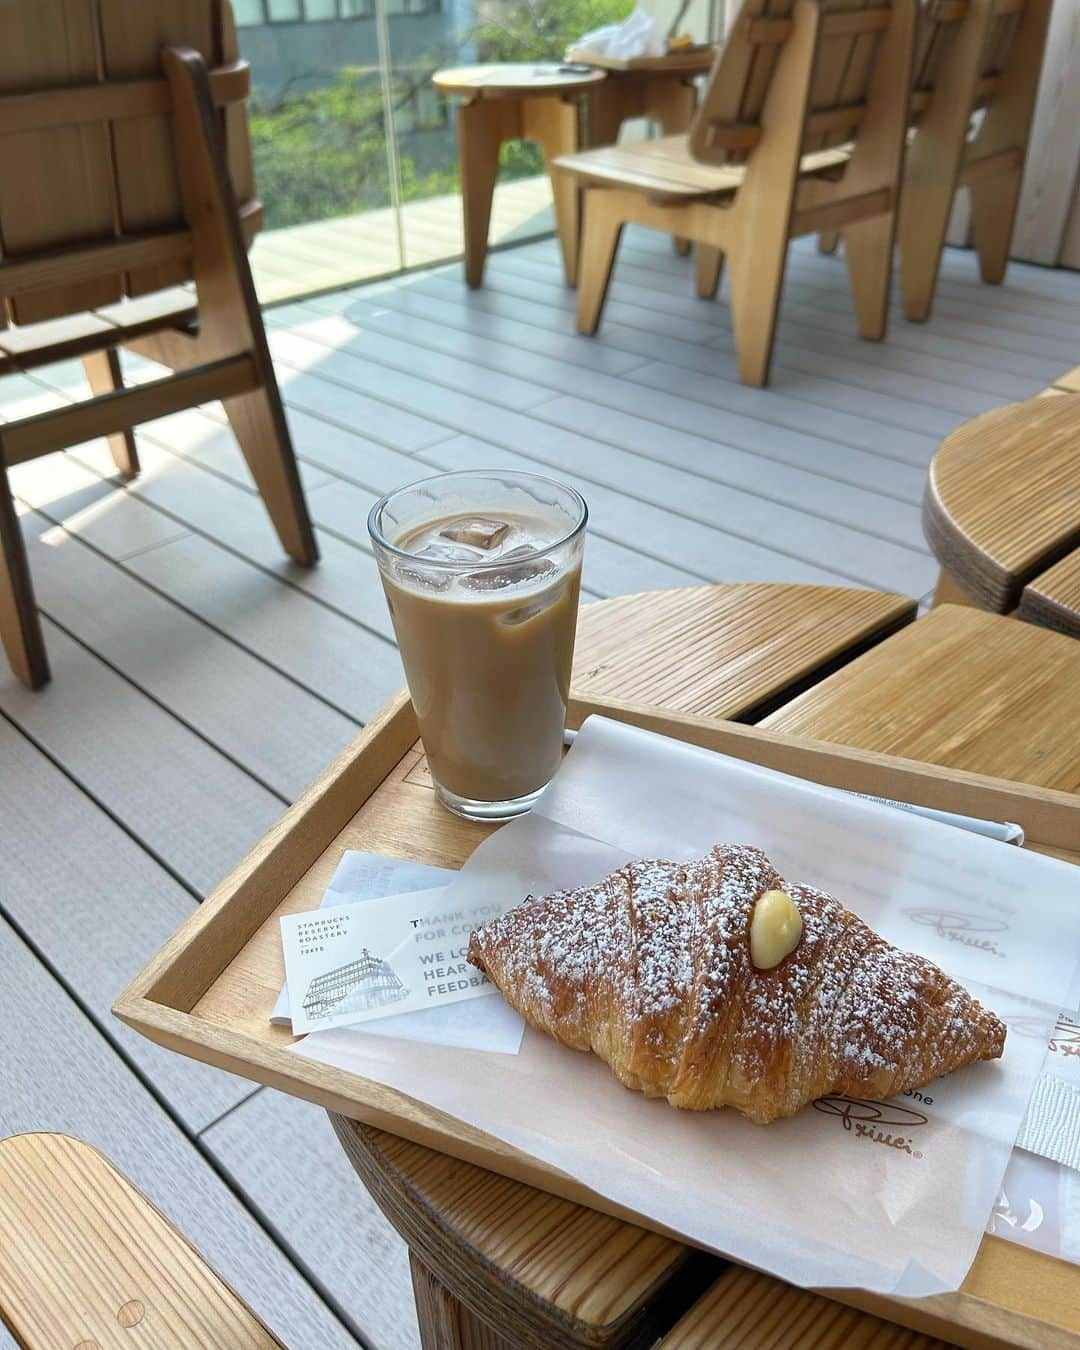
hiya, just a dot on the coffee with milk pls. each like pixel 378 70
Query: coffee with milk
pixel 485 620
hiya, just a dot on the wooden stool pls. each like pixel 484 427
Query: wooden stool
pixel 87 1261
pixel 1002 503
pixel 562 111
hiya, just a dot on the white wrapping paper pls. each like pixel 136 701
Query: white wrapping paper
pixel 637 35
pixel 891 1196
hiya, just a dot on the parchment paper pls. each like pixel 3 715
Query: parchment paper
pixel 892 1197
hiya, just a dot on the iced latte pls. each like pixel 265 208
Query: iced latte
pixel 482 574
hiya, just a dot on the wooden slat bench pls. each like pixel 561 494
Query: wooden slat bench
pixel 87 1261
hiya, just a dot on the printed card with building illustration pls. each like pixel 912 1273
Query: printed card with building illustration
pixel 354 963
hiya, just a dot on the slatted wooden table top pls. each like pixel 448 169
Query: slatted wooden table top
pixel 958 687
pixel 962 688
pixel 1003 499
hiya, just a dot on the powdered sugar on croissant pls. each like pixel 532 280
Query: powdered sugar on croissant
pixel 651 970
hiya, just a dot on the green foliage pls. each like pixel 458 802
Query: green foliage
pixel 540 30
pixel 323 153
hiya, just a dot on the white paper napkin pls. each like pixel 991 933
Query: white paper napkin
pixel 637 35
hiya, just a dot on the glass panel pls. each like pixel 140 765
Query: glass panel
pixel 695 18
pixel 424 36
pixel 315 10
pixel 283 11
pixel 318 134
pixel 248 12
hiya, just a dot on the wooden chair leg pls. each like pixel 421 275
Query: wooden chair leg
pixel 673 106
pixel 755 282
pixel 230 319
pixel 104 376
pixel 708 264
pixel 258 423
pixel 994 203
pixel 600 243
pixel 828 241
pixel 20 624
pixel 555 125
pixel 925 209
pixel 868 249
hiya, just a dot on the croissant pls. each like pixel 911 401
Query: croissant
pixel 651 969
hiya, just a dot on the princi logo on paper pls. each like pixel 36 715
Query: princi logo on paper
pixel 957 926
pixel 886 1123
pixel 1066 1037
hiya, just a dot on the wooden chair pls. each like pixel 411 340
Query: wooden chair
pixel 124 148
pixel 801 129
pixel 972 55
pixel 87 1261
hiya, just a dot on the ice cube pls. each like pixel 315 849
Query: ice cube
pixel 523 613
pixel 477 531
pixel 427 578
pixel 449 553
pixel 499 578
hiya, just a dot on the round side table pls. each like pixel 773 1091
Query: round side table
pixel 563 108
pixel 540 102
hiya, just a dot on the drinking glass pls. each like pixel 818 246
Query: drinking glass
pixel 485 621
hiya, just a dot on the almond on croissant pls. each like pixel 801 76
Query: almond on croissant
pixel 651 969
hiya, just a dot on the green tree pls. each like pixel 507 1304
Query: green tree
pixel 322 153
pixel 540 30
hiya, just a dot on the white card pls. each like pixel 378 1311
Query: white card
pixel 369 876
pixel 349 964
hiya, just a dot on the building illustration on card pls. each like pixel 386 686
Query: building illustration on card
pixel 359 986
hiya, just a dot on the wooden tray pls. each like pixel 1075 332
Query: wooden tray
pixel 693 60
pixel 209 992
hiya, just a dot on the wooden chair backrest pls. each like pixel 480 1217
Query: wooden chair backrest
pixel 727 124
pixel 940 28
pixel 74 175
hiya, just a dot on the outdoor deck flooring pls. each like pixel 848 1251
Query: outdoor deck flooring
pixel 200 681
pixel 344 250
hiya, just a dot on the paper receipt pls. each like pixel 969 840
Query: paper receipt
pixel 347 964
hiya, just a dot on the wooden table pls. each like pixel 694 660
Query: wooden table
pixel 1002 510
pixel 562 112
pixel 497 1264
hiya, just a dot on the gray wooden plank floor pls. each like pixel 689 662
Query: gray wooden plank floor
pixel 201 679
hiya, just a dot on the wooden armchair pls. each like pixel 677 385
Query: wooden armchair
pixel 972 55
pixel 123 149
pixel 801 129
